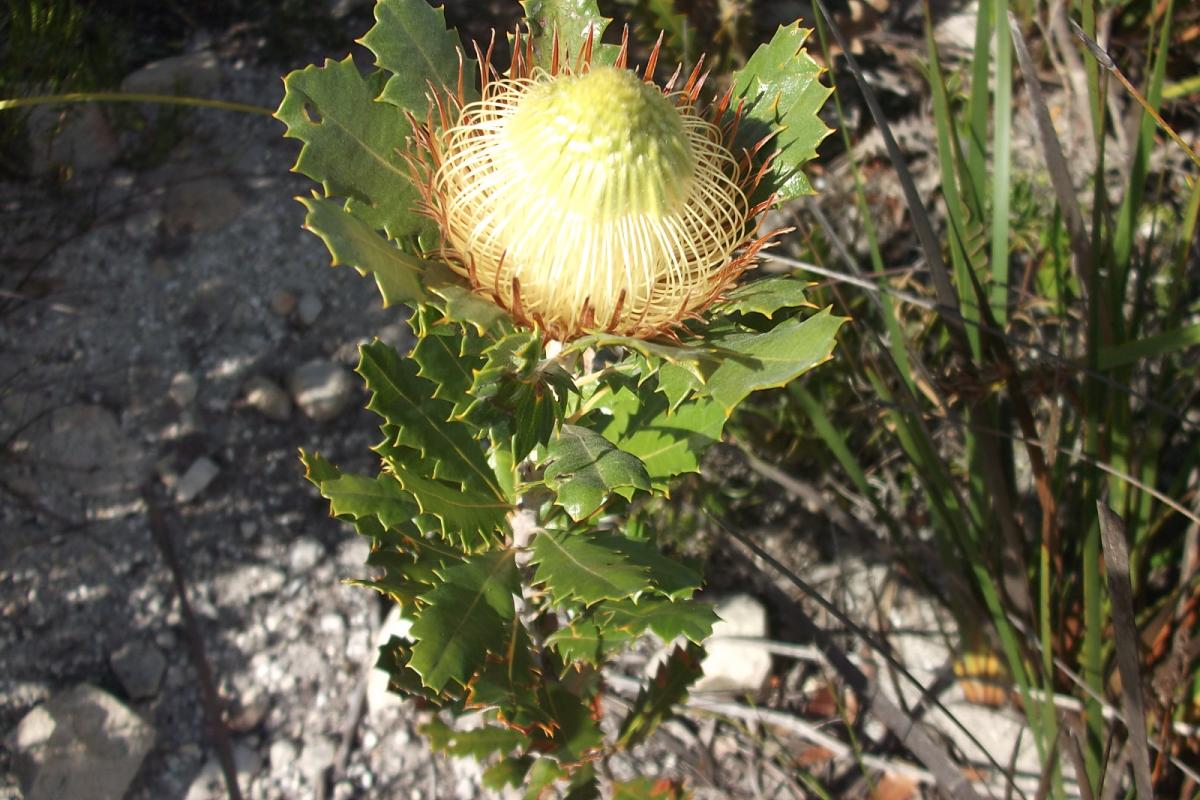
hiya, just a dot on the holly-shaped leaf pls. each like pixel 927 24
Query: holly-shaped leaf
pixel 354 243
pixel 668 442
pixel 381 497
pixel 782 91
pixel 649 789
pixel 668 688
pixel 478 743
pixel 766 297
pixel 573 20
pixel 465 515
pixel 583 469
pixel 587 566
pixel 351 145
pixel 773 358
pixel 420 421
pixel 469 615
pixel 668 619
pixel 410 40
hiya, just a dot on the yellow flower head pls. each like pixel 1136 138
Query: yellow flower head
pixel 587 198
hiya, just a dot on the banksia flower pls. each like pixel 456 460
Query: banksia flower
pixel 584 197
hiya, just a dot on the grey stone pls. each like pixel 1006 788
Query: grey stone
pixel 378 696
pixel 249 710
pixel 282 755
pixel 202 204
pixel 197 478
pixel 319 752
pixel 240 585
pixel 83 744
pixel 266 397
pixel 183 389
pixel 139 667
pixel 306 553
pixel 89 452
pixel 310 309
pixel 209 783
pixel 734 665
pixel 322 389
pixel 190 73
pixel 77 138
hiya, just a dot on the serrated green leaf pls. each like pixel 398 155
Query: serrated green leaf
pixel 441 359
pixel 668 688
pixel 406 401
pixel 465 306
pixel 318 471
pixel 583 469
pixel 668 443
pixel 543 773
pixel 579 641
pixel 468 616
pixel 781 87
pixel 381 497
pixel 572 19
pixel 668 619
pixel 350 145
pixel 587 566
pixel 395 658
pixel 410 40
pixel 675 383
pixel 470 517
pixel 354 243
pixel 478 743
pixel 776 357
pixel 575 734
pixel 506 772
pixel 648 789
pixel 766 297
pixel 584 784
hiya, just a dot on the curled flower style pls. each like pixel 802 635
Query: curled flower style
pixel 584 197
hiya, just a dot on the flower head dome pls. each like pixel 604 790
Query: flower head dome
pixel 585 197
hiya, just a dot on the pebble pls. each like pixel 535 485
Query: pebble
pixel 282 755
pixel 83 744
pixel 732 665
pixel 197 478
pixel 200 205
pixel 310 309
pixel 240 585
pixel 183 389
pixel 139 666
pixel 306 553
pixel 321 389
pixel 248 711
pixel 77 139
pixel 191 73
pixel 265 397
pixel 282 302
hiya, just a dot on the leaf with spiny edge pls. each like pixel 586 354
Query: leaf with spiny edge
pixel 395 658
pixel 779 356
pixel 406 401
pixel 354 243
pixel 381 497
pixel 350 145
pixel 467 616
pixel 701 360
pixel 461 304
pixel 410 40
pixel 668 688
pixel 782 91
pixel 465 515
pixel 649 789
pixel 478 743
pixel 317 470
pixel 506 772
pixel 576 733
pixel 445 359
pixel 766 296
pixel 668 619
pixel 572 19
pixel 667 441
pixel 583 640
pixel 584 469
pixel 587 566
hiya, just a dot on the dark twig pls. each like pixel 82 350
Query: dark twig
pixel 1116 561
pixel 208 691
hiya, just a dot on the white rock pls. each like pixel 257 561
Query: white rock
pixel 319 752
pixel 83 744
pixel 265 397
pixel 183 389
pixel 240 585
pixel 378 696
pixel 306 554
pixel 310 309
pixel 139 667
pixel 282 755
pixel 322 389
pixel 197 478
pixel 202 204
pixel 732 665
pixel 191 73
